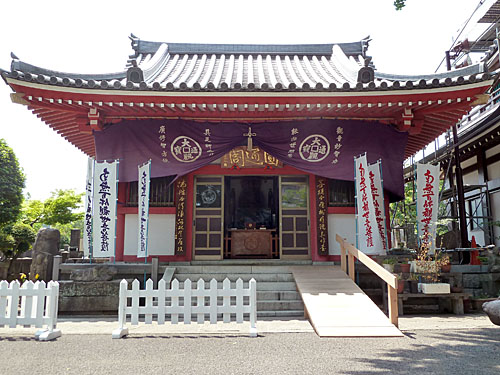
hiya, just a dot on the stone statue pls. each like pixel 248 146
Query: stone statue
pixel 45 247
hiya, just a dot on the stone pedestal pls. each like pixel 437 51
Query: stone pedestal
pixel 80 297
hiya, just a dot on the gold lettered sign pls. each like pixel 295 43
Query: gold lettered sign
pixel 240 157
pixel 322 215
pixel 180 215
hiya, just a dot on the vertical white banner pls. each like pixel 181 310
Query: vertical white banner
pixel 377 190
pixel 369 240
pixel 87 232
pixel 104 221
pixel 143 209
pixel 427 204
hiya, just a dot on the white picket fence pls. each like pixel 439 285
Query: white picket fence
pixel 163 303
pixel 32 304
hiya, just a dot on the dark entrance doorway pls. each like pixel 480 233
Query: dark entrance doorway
pixel 251 217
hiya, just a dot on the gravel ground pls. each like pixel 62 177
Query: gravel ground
pixel 443 351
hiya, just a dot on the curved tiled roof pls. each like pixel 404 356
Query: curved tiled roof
pixel 237 67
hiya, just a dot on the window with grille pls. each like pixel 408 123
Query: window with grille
pixel 340 193
pixel 161 192
pixel 474 210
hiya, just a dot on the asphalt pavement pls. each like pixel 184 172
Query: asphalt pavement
pixel 442 344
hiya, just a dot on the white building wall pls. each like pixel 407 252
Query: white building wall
pixel 161 234
pixel 345 226
pixel 494 171
pixel 471 178
pixel 495 211
pixel 492 151
pixel 468 162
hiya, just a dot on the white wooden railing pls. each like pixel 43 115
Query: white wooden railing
pixel 175 302
pixel 390 279
pixel 32 304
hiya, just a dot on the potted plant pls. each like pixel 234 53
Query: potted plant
pixel 413 281
pixel 404 266
pixel 401 283
pixel 444 262
pixel 388 264
pixel 430 270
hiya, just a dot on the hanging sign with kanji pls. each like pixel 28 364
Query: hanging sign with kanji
pixel 427 204
pixel 368 237
pixel 104 211
pixel 376 187
pixel 87 233
pixel 180 215
pixel 322 215
pixel 143 205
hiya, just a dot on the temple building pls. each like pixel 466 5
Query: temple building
pixel 251 146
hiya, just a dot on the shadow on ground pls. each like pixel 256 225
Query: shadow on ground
pixel 475 351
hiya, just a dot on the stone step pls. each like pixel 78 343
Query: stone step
pixel 259 277
pixel 278 296
pixel 271 286
pixel 246 262
pixel 277 286
pixel 210 269
pixel 280 314
pixel 279 305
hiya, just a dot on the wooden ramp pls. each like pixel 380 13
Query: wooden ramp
pixel 337 307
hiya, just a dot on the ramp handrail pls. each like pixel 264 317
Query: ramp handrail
pixel 388 277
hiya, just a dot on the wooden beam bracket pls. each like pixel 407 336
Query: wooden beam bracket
pixel 95 119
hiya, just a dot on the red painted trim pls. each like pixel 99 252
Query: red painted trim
pixel 342 210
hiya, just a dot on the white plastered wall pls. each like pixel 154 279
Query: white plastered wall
pixel 471 178
pixel 495 211
pixel 494 171
pixel 161 232
pixel 344 225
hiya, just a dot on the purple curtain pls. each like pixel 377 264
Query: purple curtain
pixel 322 147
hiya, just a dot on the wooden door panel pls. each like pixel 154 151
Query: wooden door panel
pixel 208 230
pixel 294 209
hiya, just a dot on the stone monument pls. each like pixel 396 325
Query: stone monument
pixel 45 247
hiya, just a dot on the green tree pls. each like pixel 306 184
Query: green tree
pixel 15 239
pixel 399 4
pixel 11 185
pixel 61 208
